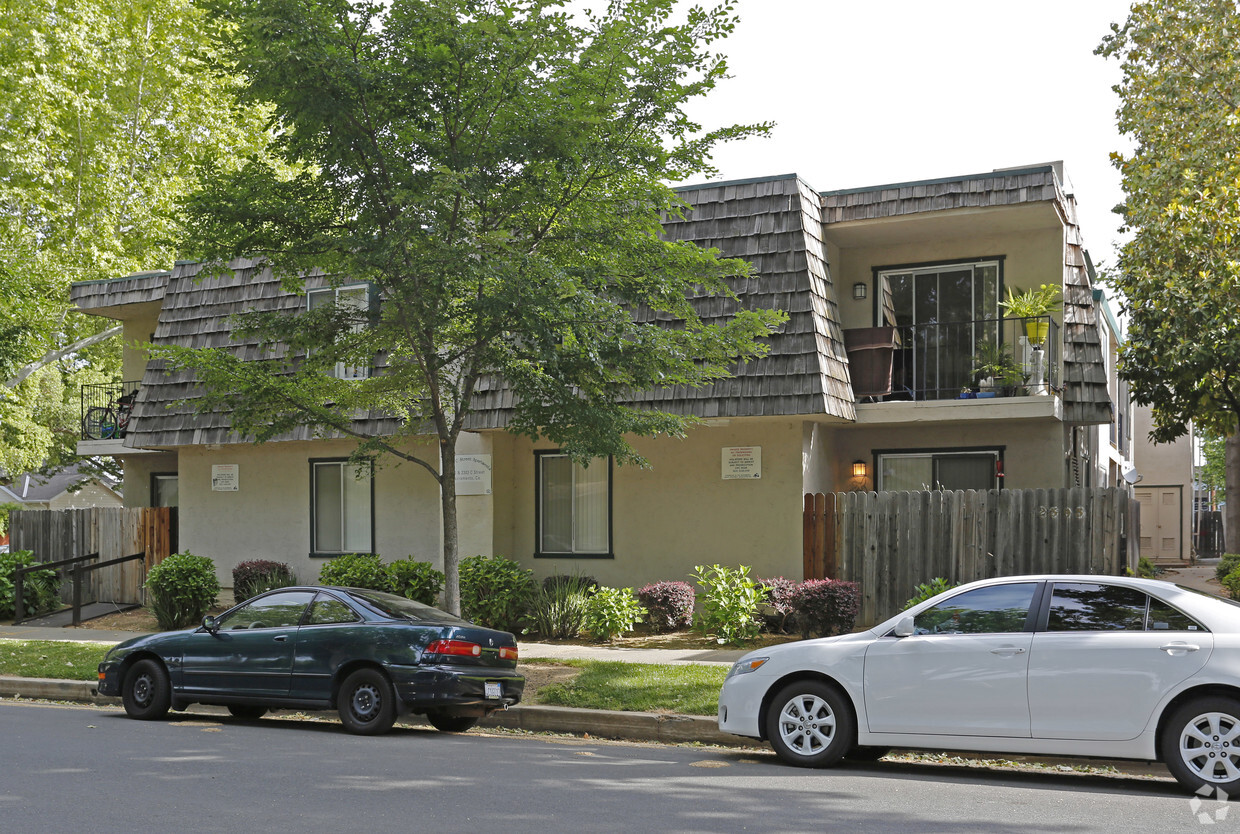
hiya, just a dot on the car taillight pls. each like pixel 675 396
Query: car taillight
pixel 454 647
pixel 507 652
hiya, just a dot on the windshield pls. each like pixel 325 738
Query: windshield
pixel 404 609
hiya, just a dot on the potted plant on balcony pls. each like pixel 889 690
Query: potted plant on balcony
pixel 1033 305
pixel 996 369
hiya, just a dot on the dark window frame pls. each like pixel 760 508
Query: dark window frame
pixel 877 304
pixel 998 451
pixel 315 553
pixel 539 553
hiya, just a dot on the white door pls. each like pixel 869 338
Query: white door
pixel 964 671
pixel 1161 522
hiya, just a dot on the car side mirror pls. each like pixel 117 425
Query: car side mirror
pixel 904 628
pixel 210 624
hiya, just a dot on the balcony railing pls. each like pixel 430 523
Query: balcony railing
pixel 106 408
pixel 956 360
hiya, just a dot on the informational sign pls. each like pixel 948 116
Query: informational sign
pixel 224 477
pixel 473 474
pixel 742 462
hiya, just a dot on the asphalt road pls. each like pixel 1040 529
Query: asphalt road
pixel 75 768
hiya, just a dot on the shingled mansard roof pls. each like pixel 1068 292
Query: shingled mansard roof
pixel 777 224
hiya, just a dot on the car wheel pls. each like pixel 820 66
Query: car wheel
pixel 247 712
pixel 146 693
pixel 810 724
pixel 866 754
pixel 367 704
pixel 1201 744
pixel 446 722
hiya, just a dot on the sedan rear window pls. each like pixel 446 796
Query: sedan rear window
pixel 404 609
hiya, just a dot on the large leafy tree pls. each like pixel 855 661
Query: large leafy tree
pixel 107 111
pixel 496 170
pixel 1180 271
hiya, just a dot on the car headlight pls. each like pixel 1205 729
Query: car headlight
pixel 746 664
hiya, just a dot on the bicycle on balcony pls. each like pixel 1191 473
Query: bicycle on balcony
pixel 109 422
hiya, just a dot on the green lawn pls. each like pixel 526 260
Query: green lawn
pixel 51 659
pixel 688 689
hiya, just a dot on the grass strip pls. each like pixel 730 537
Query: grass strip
pixel 688 689
pixel 51 659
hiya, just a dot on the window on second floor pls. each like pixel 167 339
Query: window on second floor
pixel 355 297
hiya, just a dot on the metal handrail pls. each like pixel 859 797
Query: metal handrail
pixel 78 572
pixel 19 580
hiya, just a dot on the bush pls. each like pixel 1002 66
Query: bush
pixel 420 581
pixel 558 606
pixel 495 592
pixel 259 575
pixel 1145 568
pixel 669 605
pixel 730 602
pixel 1232 583
pixel 826 606
pixel 182 588
pixel 926 590
pixel 611 612
pixel 356 570
pixel 1228 563
pixel 778 613
pixel 40 588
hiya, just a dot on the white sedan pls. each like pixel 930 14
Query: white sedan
pixel 1111 667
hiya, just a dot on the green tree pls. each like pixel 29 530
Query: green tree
pixel 1178 273
pixel 496 170
pixel 108 108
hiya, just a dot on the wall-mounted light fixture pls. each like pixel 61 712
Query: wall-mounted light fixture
pixel 859 290
pixel 858 469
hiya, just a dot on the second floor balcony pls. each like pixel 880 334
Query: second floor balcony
pixel 106 408
pixel 965 360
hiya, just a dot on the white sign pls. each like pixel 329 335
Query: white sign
pixel 742 462
pixel 473 474
pixel 224 477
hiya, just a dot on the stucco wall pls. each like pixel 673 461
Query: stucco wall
pixel 138 471
pixel 680 512
pixel 138 330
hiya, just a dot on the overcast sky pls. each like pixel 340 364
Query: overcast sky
pixel 884 91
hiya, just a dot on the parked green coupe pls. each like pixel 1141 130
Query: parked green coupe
pixel 367 654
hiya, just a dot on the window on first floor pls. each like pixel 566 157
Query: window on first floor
pixel 923 470
pixel 574 506
pixel 341 508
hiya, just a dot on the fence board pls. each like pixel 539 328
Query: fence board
pixel 889 542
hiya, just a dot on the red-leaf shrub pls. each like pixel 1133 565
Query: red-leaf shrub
pixel 827 606
pixel 778 612
pixel 669 605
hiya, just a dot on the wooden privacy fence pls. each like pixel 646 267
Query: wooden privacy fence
pixel 112 532
pixel 888 542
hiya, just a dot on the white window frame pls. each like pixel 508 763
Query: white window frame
pixel 343 371
pixel 576 551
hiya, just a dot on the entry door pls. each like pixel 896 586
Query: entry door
pixel 1161 522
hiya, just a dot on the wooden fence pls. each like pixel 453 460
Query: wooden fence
pixel 112 532
pixel 889 542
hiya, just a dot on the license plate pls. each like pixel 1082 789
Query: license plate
pixel 492 689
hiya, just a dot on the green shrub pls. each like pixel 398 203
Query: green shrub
pixel 40 588
pixel 258 576
pixel 356 570
pixel 926 590
pixel 1228 563
pixel 495 592
pixel 558 605
pixel 419 581
pixel 826 606
pixel 182 588
pixel 611 612
pixel 1145 568
pixel 1232 583
pixel 729 603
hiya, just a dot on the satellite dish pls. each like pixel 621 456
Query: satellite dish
pixel 1131 475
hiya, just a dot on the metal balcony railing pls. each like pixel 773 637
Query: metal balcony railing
pixel 106 408
pixel 955 360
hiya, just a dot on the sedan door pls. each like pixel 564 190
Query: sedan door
pixel 963 671
pixel 252 652
pixel 1106 657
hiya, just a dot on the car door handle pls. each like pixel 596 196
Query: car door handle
pixel 1174 649
pixel 280 638
pixel 1008 650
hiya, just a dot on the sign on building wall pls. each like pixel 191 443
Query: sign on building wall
pixel 224 477
pixel 473 474
pixel 742 462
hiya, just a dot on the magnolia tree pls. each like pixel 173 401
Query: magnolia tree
pixel 495 170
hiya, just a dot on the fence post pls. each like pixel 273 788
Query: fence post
pixel 77 594
pixel 19 607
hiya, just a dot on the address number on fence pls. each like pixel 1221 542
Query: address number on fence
pixel 1056 512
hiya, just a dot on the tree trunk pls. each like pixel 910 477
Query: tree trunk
pixel 1231 512
pixel 447 501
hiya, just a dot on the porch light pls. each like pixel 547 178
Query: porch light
pixel 859 290
pixel 858 469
